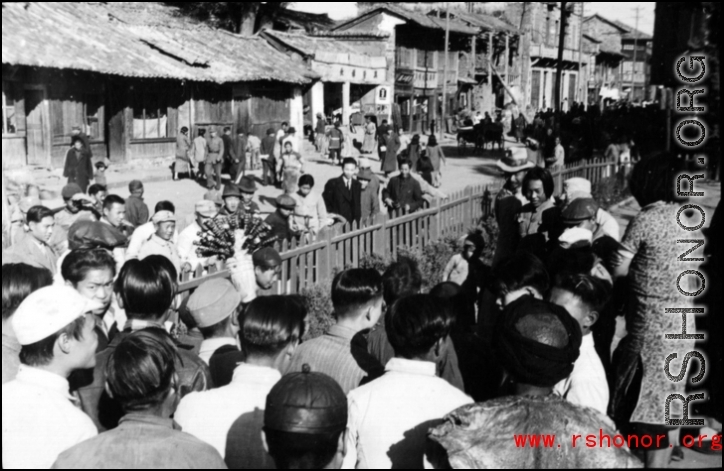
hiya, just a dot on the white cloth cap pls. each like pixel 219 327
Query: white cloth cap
pixel 47 311
pixel 163 216
pixel 576 236
pixel 365 163
pixel 578 187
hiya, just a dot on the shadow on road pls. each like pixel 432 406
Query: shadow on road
pixel 488 170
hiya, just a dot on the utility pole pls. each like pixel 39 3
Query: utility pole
pixel 444 80
pixel 524 45
pixel 582 86
pixel 636 47
pixel 561 48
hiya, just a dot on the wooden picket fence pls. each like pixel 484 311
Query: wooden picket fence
pixel 593 170
pixel 311 262
pixel 307 263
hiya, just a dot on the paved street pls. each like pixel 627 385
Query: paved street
pixel 461 171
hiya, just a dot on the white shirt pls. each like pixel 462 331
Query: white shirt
pixel 40 420
pixel 187 249
pixel 209 347
pixel 157 246
pixel 210 415
pixel 608 225
pixel 390 417
pixel 587 386
pixel 140 236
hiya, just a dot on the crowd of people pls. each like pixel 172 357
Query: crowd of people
pixel 106 366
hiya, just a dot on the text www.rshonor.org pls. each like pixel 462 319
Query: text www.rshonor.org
pixel 603 440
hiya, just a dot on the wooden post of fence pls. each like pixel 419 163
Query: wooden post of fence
pixel 324 261
pixel 559 179
pixel 471 209
pixel 435 220
pixel 380 235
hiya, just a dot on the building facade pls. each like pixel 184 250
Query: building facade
pixel 130 84
pixel 416 60
pixel 606 82
pixel 637 51
pixel 352 70
pixel 539 47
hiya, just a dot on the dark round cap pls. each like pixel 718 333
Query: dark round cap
pixel 266 257
pixel 306 403
pixel 92 234
pixel 579 210
pixel 231 190
pixel 286 202
pixel 537 342
pixel 70 191
pixel 247 185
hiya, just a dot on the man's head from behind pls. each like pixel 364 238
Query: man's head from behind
pixel 402 278
pixel 214 307
pixel 583 296
pixel 91 273
pixel 304 422
pixel 357 296
pixel 55 330
pixel 18 282
pixel 145 290
pixel 523 274
pixel 270 330
pixel 417 327
pixel 141 373
pixel 135 188
pixel 537 342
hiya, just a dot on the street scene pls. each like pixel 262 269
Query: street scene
pixel 361 235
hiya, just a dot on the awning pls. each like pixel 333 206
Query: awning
pixel 467 80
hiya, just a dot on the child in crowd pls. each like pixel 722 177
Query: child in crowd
pixel 100 176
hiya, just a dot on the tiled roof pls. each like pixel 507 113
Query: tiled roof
pixel 137 41
pixel 486 22
pixel 307 21
pixel 309 45
pixel 327 50
pixel 633 33
pixel 415 17
pixel 351 34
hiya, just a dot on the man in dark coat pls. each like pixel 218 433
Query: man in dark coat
pixel 78 165
pixel 382 131
pixel 343 195
pixel 403 191
pixel 78 135
pixel 231 159
pixel 279 220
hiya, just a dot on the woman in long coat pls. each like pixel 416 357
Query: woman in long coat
pixel 392 145
pixel 78 166
pixel 370 141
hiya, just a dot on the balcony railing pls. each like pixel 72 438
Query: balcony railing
pixel 550 52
